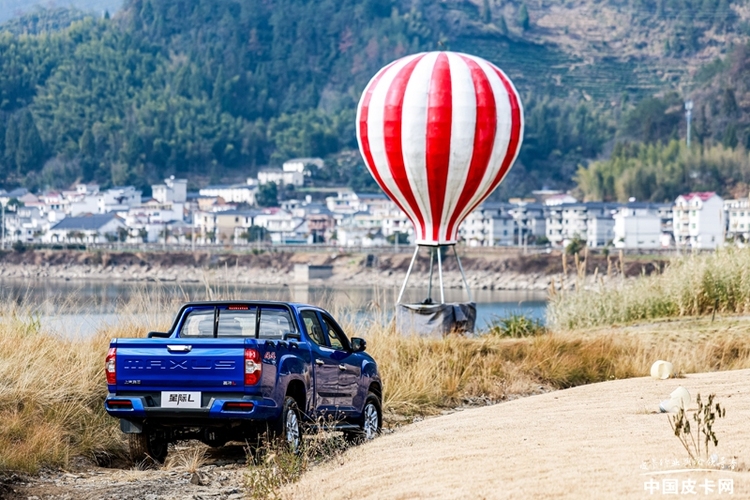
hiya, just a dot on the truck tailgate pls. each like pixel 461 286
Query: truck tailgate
pixel 201 364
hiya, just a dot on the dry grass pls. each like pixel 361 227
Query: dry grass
pixel 189 458
pixel 52 389
pixel 692 285
pixel 425 375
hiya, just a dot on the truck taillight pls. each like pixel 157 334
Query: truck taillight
pixel 110 366
pixel 253 366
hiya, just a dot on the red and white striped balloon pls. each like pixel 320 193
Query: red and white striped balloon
pixel 439 132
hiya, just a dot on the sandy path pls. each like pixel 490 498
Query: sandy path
pixel 597 441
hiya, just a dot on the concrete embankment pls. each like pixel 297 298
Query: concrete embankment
pixel 498 269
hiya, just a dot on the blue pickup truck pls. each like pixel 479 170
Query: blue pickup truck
pixel 235 370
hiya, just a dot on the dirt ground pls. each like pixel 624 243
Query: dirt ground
pixel 219 475
pixel 598 441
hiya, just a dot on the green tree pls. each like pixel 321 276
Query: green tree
pixel 268 195
pixel 30 150
pixel 523 17
pixel 502 25
pixel 486 12
pixel 11 144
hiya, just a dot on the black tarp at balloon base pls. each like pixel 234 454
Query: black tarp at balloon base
pixel 436 319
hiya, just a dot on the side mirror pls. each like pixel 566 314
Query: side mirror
pixel 158 335
pixel 358 344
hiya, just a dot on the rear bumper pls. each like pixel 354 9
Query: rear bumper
pixel 217 409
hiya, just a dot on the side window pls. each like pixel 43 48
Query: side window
pixel 236 322
pixel 274 323
pixel 198 323
pixel 312 325
pixel 335 336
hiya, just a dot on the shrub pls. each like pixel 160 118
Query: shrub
pixel 517 326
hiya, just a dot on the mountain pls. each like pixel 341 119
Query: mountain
pixel 215 89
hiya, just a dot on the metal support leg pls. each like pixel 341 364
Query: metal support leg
pixel 463 276
pixel 429 285
pixel 440 276
pixel 408 272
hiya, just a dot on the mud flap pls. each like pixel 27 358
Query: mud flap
pixel 129 427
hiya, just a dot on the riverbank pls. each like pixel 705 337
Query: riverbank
pixel 487 269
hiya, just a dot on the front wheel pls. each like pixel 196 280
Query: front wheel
pixel 370 423
pixel 149 444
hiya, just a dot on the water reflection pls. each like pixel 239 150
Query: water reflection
pixel 84 307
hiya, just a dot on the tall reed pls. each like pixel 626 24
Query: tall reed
pixel 691 285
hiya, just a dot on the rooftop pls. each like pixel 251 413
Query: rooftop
pixel 704 196
pixel 85 222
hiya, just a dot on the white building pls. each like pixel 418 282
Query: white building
pixel 232 193
pixel 96 228
pixel 600 231
pixel 638 225
pixel 489 225
pixel 282 226
pixel 738 218
pixel 26 224
pixel 118 199
pixel 281 177
pixel 90 201
pixel 152 220
pixel 591 222
pixel 699 220
pixel 559 199
pixel 530 220
pixel 173 190
pixel 302 165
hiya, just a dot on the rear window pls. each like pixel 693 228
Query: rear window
pixel 274 323
pixel 198 323
pixel 238 321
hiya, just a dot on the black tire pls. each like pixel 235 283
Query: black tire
pixel 289 426
pixel 370 423
pixel 148 445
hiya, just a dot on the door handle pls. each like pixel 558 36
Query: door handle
pixel 318 362
pixel 179 348
pixel 342 367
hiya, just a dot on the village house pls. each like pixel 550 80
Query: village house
pixel 639 225
pixel 281 177
pixel 489 225
pixel 232 193
pixel 94 228
pixel 699 220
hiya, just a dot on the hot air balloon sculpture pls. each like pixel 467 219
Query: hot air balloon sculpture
pixel 439 131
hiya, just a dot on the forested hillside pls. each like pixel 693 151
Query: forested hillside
pixel 215 89
pixel 10 9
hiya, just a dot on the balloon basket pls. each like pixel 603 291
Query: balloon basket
pixel 432 318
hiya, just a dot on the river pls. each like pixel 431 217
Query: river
pixel 82 307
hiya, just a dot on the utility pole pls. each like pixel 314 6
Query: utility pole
pixel 3 238
pixel 689 115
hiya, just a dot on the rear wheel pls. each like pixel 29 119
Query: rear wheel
pixel 370 422
pixel 290 426
pixel 149 444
